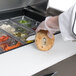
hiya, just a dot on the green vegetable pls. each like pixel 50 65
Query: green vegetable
pixel 23 21
pixel 27 23
pixel 20 29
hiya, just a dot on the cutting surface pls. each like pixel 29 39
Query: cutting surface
pixel 27 60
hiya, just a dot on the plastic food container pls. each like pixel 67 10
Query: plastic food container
pixel 15 29
pixel 7 42
pixel 26 21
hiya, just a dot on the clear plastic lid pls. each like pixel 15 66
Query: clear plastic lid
pixel 7 42
pixel 26 21
pixel 15 30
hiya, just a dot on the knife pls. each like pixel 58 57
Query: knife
pixel 51 74
pixel 33 36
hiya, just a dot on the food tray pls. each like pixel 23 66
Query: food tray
pixel 26 21
pixel 15 29
pixel 7 43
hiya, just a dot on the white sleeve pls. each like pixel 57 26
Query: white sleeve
pixel 66 20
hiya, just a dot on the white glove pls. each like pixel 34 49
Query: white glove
pixel 66 20
pixel 50 24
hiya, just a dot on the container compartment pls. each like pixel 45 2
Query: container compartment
pixel 15 30
pixel 6 19
pixel 7 43
pixel 26 21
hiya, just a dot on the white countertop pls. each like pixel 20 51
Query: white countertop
pixel 28 60
pixel 61 5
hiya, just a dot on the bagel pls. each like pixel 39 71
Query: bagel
pixel 43 42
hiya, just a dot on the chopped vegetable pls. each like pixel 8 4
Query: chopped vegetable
pixel 7 28
pixel 4 38
pixel 12 47
pixel 30 41
pixel 22 36
pixel 27 23
pixel 19 32
pixel 20 29
pixel 7 43
pixel 23 21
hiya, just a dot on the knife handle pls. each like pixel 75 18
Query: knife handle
pixel 51 74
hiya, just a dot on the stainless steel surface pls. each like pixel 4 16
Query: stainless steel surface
pixel 35 2
pixel 41 6
pixel 13 4
pixel 53 12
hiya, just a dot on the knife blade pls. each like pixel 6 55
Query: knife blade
pixel 33 36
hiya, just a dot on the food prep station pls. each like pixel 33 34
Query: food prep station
pixel 19 57
pixel 20 22
pixel 15 31
pixel 19 29
pixel 16 25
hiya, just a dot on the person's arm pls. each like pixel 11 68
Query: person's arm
pixel 66 20
pixel 63 22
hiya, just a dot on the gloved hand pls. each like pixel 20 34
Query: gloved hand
pixel 50 24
